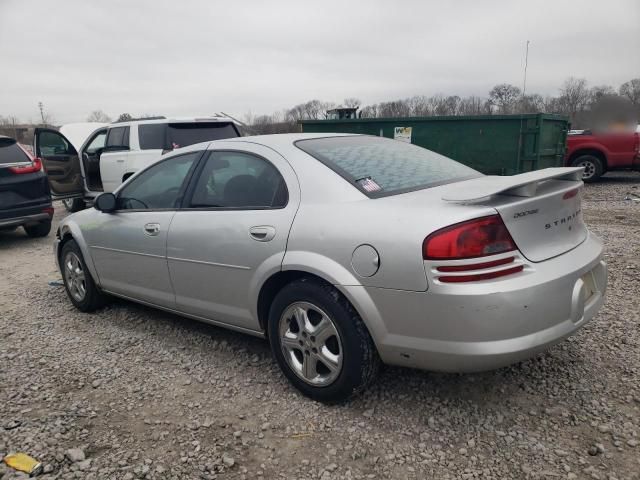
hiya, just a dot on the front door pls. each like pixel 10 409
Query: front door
pixel 61 162
pixel 231 232
pixel 128 246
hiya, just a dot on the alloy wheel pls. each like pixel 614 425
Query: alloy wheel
pixel 74 276
pixel 311 344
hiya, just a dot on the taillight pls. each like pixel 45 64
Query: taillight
pixel 36 166
pixel 475 238
pixel 48 210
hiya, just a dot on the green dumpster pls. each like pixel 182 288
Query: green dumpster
pixel 492 144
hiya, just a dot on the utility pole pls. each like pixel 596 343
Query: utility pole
pixel 41 107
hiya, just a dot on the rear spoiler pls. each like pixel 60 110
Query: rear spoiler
pixel 523 185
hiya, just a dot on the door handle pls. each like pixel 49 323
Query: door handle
pixel 152 229
pixel 263 233
pixel 120 160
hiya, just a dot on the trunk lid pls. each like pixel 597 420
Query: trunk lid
pixel 542 209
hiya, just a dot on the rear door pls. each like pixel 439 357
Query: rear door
pixel 113 159
pixel 61 162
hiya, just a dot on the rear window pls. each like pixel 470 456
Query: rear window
pixel 151 136
pixel 380 167
pixel 184 134
pixel 10 152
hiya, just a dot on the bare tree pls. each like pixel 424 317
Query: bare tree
pixel 370 111
pixel 631 90
pixel 574 96
pixel 504 96
pixel 533 103
pixel 352 102
pixel 599 91
pixel 472 106
pixel 98 116
pixel 124 117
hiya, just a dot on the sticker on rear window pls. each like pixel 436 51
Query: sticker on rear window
pixel 368 185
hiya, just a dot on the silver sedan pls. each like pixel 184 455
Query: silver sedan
pixel 345 251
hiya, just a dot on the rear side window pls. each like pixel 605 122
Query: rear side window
pixel 380 167
pixel 239 180
pixel 152 136
pixel 185 134
pixel 10 152
pixel 118 137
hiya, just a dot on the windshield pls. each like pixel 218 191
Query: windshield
pixel 380 166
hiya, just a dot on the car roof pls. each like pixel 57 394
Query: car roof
pixel 284 139
pixel 205 119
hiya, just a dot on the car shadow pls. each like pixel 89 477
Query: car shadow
pixel 547 372
pixel 620 178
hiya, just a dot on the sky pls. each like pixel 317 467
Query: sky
pixel 198 57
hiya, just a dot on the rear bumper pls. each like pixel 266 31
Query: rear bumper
pixel 24 220
pixel 490 324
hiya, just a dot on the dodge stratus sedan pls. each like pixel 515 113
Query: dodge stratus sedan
pixel 345 251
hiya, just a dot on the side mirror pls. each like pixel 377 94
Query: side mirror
pixel 106 203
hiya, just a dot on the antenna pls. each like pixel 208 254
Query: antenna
pixel 524 91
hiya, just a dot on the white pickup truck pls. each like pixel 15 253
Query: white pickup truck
pixel 82 160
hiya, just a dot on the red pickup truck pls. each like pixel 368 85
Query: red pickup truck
pixel 599 153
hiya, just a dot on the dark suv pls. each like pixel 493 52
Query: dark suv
pixel 25 199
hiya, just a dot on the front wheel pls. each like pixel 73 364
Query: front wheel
pixel 80 287
pixel 320 342
pixel 593 168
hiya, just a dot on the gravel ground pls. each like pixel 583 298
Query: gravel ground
pixel 131 392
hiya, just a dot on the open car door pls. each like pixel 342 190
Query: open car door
pixel 61 162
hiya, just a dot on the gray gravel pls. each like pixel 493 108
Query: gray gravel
pixel 130 392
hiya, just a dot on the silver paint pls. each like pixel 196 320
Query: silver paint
pixel 207 264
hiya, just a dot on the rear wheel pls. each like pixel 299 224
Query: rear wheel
pixel 74 204
pixel 80 287
pixel 320 342
pixel 592 165
pixel 41 229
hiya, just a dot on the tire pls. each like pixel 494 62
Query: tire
pixel 41 229
pixel 345 345
pixel 74 204
pixel 80 287
pixel 592 165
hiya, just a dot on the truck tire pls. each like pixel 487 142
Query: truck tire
pixel 592 165
pixel 74 204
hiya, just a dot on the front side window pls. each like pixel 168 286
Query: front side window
pixel 239 180
pixel 159 186
pixel 53 143
pixel 97 142
pixel 381 166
